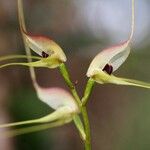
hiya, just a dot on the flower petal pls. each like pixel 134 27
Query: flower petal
pixel 63 113
pixel 30 64
pixel 48 62
pixel 113 56
pixel 56 98
pixel 45 47
pixel 9 57
pixel 34 128
pixel 102 77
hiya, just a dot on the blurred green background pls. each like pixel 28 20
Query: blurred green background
pixel 119 115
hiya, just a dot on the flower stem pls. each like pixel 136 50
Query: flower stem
pixel 88 90
pixel 66 77
pixel 81 104
pixel 87 93
pixel 87 128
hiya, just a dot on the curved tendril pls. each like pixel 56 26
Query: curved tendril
pixel 27 49
pixel 8 57
pixel 132 20
pixel 33 64
pixel 13 64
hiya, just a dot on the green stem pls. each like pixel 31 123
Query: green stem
pixel 88 90
pixel 87 128
pixel 84 113
pixel 79 125
pixel 66 77
pixel 87 93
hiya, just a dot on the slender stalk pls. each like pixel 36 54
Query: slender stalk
pixel 87 128
pixel 65 74
pixel 84 113
pixel 132 20
pixel 87 93
pixel 88 90
pixel 79 125
pixel 27 48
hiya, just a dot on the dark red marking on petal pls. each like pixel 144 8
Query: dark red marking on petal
pixel 44 55
pixel 108 68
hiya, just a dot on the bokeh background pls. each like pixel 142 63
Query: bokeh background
pixel 119 115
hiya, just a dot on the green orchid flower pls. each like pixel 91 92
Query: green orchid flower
pixel 65 109
pixel 51 55
pixel 64 106
pixel 110 59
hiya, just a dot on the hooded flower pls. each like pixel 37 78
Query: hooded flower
pixel 108 61
pixel 49 50
pixel 64 107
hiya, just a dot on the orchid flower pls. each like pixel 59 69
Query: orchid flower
pixel 54 57
pixel 51 53
pixel 65 107
pixel 110 59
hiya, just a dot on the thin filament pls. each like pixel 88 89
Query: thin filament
pixel 16 64
pixel 132 20
pixel 3 58
pixel 27 49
